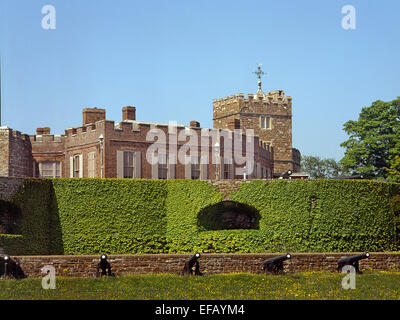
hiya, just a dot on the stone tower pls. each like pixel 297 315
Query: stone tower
pixel 270 115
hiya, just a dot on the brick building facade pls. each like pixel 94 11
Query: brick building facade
pixel 100 148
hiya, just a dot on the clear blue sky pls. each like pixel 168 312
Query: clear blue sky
pixel 171 58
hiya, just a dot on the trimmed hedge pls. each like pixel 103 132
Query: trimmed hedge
pixel 117 216
pixel 185 200
pixel 12 244
pixel 36 225
pixel 110 215
pixel 297 216
pixel 323 215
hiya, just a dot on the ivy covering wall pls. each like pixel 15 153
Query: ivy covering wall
pixel 117 216
pixel 110 215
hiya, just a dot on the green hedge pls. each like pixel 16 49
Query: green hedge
pixel 12 244
pixel 185 200
pixel 34 199
pixel 110 215
pixel 117 216
pixel 323 215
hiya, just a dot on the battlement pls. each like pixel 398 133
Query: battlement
pixel 84 129
pixel 138 126
pixel 264 145
pixel 277 96
pixel 15 133
pixel 230 99
pixel 267 153
pixel 47 138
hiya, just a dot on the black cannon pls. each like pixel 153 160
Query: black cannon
pixel 352 261
pixel 192 262
pixel 275 265
pixel 104 266
pixel 11 268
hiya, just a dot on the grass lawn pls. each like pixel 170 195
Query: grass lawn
pixel 310 285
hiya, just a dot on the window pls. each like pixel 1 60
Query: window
pixel 49 169
pixel 195 167
pixel 129 164
pixel 162 166
pixel 269 175
pixel 265 122
pixel 76 166
pixel 92 165
pixel 227 169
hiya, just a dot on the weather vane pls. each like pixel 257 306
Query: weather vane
pixel 259 73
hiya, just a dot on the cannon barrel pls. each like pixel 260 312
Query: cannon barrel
pixel 195 257
pixel 274 262
pixel 277 259
pixel 351 259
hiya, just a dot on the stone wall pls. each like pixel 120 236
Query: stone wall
pixel 4 152
pixel 248 112
pixel 21 163
pixel 226 187
pixel 85 266
pixel 15 154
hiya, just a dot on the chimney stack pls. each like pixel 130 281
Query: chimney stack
pixel 91 115
pixel 40 131
pixel 194 124
pixel 128 113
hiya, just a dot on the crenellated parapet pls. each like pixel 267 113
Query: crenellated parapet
pixel 15 153
pixel 277 96
pixel 234 106
pixel 14 133
pixel 47 138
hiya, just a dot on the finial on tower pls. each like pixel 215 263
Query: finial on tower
pixel 259 73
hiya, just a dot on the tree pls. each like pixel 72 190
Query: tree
pixel 318 168
pixel 394 170
pixel 374 140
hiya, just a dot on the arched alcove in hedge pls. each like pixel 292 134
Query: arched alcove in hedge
pixel 228 215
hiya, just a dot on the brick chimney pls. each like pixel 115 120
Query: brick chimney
pixel 128 113
pixel 40 131
pixel 234 124
pixel 91 115
pixel 195 124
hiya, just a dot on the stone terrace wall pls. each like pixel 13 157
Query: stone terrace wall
pixel 85 266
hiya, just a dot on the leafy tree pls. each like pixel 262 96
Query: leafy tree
pixel 394 170
pixel 374 140
pixel 318 168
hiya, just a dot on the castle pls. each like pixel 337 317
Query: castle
pixel 102 149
